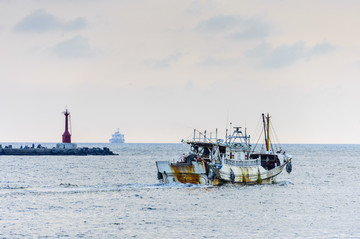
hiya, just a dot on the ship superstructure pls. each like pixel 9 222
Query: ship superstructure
pixel 117 138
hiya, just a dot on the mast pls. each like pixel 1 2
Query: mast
pixel 246 138
pixel 268 132
pixel 267 148
pixel 226 136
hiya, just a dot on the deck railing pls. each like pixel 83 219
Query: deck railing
pixel 243 163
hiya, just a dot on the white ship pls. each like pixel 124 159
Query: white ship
pixel 213 161
pixel 117 138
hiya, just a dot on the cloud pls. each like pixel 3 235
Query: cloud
pixel 41 21
pixel 189 85
pixel 163 63
pixel 77 24
pixel 260 50
pixel 197 7
pixel 285 55
pixel 219 62
pixel 75 47
pixel 322 48
pixel 236 27
pixel 219 23
pixel 255 29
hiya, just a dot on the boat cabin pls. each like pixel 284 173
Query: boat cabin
pixel 268 161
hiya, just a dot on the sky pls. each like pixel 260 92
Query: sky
pixel 158 69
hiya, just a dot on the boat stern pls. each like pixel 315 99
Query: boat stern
pixel 194 172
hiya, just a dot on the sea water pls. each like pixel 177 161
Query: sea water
pixel 120 197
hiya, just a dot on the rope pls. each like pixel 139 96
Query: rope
pixel 274 133
pixel 258 127
pixel 258 131
pixel 261 133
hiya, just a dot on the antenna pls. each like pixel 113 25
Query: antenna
pixel 227 119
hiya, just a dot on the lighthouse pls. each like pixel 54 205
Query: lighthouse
pixel 66 137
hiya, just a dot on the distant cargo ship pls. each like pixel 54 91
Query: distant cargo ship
pixel 117 138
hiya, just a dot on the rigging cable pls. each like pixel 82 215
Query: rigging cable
pixel 276 137
pixel 270 141
pixel 258 127
pixel 257 131
pixel 257 142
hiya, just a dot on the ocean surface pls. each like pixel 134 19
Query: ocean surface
pixel 120 197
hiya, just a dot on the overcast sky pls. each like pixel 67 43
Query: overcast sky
pixel 157 69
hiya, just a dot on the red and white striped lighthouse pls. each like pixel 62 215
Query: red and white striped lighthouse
pixel 66 137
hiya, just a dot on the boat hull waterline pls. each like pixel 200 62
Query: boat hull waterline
pixel 201 173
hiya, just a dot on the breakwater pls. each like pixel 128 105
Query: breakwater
pixel 39 150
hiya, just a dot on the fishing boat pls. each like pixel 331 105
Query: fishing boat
pixel 213 161
pixel 117 138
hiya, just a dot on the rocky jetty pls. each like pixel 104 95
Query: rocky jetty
pixel 39 150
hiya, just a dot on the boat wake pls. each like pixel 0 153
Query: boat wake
pixel 284 183
pixel 7 187
pixel 74 188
